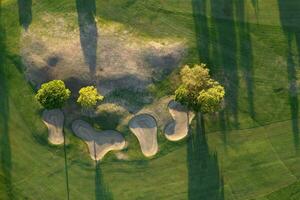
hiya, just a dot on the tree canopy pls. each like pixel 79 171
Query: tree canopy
pixel 89 96
pixel 53 94
pixel 198 91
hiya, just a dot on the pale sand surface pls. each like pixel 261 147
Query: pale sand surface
pixel 144 127
pixel 178 129
pixel 54 120
pixel 99 142
pixel 122 156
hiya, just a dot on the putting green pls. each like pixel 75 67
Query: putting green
pixel 250 150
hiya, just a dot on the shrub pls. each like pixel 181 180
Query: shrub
pixel 53 94
pixel 89 96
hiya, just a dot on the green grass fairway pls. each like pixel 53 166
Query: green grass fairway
pixel 250 150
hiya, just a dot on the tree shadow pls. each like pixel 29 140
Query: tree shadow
pixel 225 54
pixel 293 97
pixel 217 46
pixel 75 84
pixel 245 54
pixel 201 29
pixel 108 120
pixel 205 180
pixel 25 13
pixel 128 81
pixel 255 5
pixel 290 20
pixel 86 10
pixel 161 66
pixel 224 42
pixel 5 147
pixel 203 37
pixel 66 168
pixel 101 191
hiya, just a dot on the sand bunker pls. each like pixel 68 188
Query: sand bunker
pixel 54 120
pixel 178 129
pixel 144 128
pixel 99 142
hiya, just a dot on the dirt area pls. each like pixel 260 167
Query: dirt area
pixel 107 55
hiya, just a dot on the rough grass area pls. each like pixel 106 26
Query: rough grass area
pixel 250 150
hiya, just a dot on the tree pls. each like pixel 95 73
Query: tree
pixel 53 94
pixel 198 91
pixel 88 97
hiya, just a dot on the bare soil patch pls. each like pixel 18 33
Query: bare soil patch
pixel 116 58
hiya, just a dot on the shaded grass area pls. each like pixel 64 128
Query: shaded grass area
pixel 204 177
pixel 289 18
pixel 257 62
pixel 5 149
pixel 101 191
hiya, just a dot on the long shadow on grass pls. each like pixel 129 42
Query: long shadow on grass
pixel 205 45
pixel 205 181
pixel 245 54
pixel 290 20
pixel 217 46
pixel 5 149
pixel 25 13
pixel 293 97
pixel 224 54
pixel 86 10
pixel 201 29
pixel 225 44
pixel 101 191
pixel 66 168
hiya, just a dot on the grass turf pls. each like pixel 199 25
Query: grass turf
pixel 251 149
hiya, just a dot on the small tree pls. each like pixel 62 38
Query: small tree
pixel 88 97
pixel 53 94
pixel 198 91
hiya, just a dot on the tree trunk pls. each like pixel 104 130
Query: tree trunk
pixel 188 121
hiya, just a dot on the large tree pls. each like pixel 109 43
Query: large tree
pixel 198 91
pixel 53 94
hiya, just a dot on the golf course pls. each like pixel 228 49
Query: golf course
pixel 138 142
